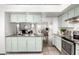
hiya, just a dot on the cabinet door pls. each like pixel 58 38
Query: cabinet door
pixel 31 44
pixel 14 17
pixel 21 18
pixel 22 45
pixel 59 43
pixel 71 13
pixel 77 49
pixel 18 17
pixel 8 44
pixel 60 21
pixel 39 44
pixel 37 18
pixel 77 11
pixel 14 44
pixel 30 18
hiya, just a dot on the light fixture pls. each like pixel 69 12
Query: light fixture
pixel 77 19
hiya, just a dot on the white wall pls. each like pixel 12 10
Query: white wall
pixel 2 31
pixel 10 28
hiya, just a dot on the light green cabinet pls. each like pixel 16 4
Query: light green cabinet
pixel 20 17
pixel 31 44
pixel 29 18
pixel 22 44
pixel 71 13
pixel 14 42
pixel 60 21
pixel 77 49
pixel 57 42
pixel 77 11
pixel 8 44
pixel 39 43
pixel 36 18
pixel 17 17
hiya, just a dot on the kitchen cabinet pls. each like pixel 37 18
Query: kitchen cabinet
pixel 77 49
pixel 22 44
pixel 29 18
pixel 39 44
pixel 36 18
pixel 31 44
pixel 64 18
pixel 60 21
pixel 57 42
pixel 17 17
pixel 8 44
pixel 76 11
pixel 71 13
pixel 14 41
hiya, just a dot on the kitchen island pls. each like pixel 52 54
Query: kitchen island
pixel 19 43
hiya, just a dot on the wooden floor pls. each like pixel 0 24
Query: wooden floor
pixel 47 50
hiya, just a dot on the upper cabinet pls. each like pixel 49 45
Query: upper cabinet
pixel 30 18
pixel 59 21
pixel 37 18
pixel 17 18
pixel 77 11
pixel 71 13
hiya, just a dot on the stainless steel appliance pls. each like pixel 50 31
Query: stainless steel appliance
pixel 68 47
pixel 76 35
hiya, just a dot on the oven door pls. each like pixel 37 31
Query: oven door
pixel 67 47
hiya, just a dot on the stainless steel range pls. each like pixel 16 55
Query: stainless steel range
pixel 68 47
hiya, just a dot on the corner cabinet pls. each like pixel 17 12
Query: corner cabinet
pixel 24 44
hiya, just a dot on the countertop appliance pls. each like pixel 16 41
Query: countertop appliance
pixel 68 47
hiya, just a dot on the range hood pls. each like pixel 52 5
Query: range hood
pixel 73 20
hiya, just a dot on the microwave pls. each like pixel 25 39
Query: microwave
pixel 76 35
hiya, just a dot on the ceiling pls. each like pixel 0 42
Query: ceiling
pixel 47 9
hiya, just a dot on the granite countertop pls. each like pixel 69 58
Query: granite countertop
pixel 72 40
pixel 24 35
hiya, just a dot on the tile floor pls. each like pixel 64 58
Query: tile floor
pixel 47 50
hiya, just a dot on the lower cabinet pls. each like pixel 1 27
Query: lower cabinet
pixel 77 49
pixel 57 42
pixel 14 42
pixel 31 44
pixel 8 44
pixel 39 44
pixel 24 44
